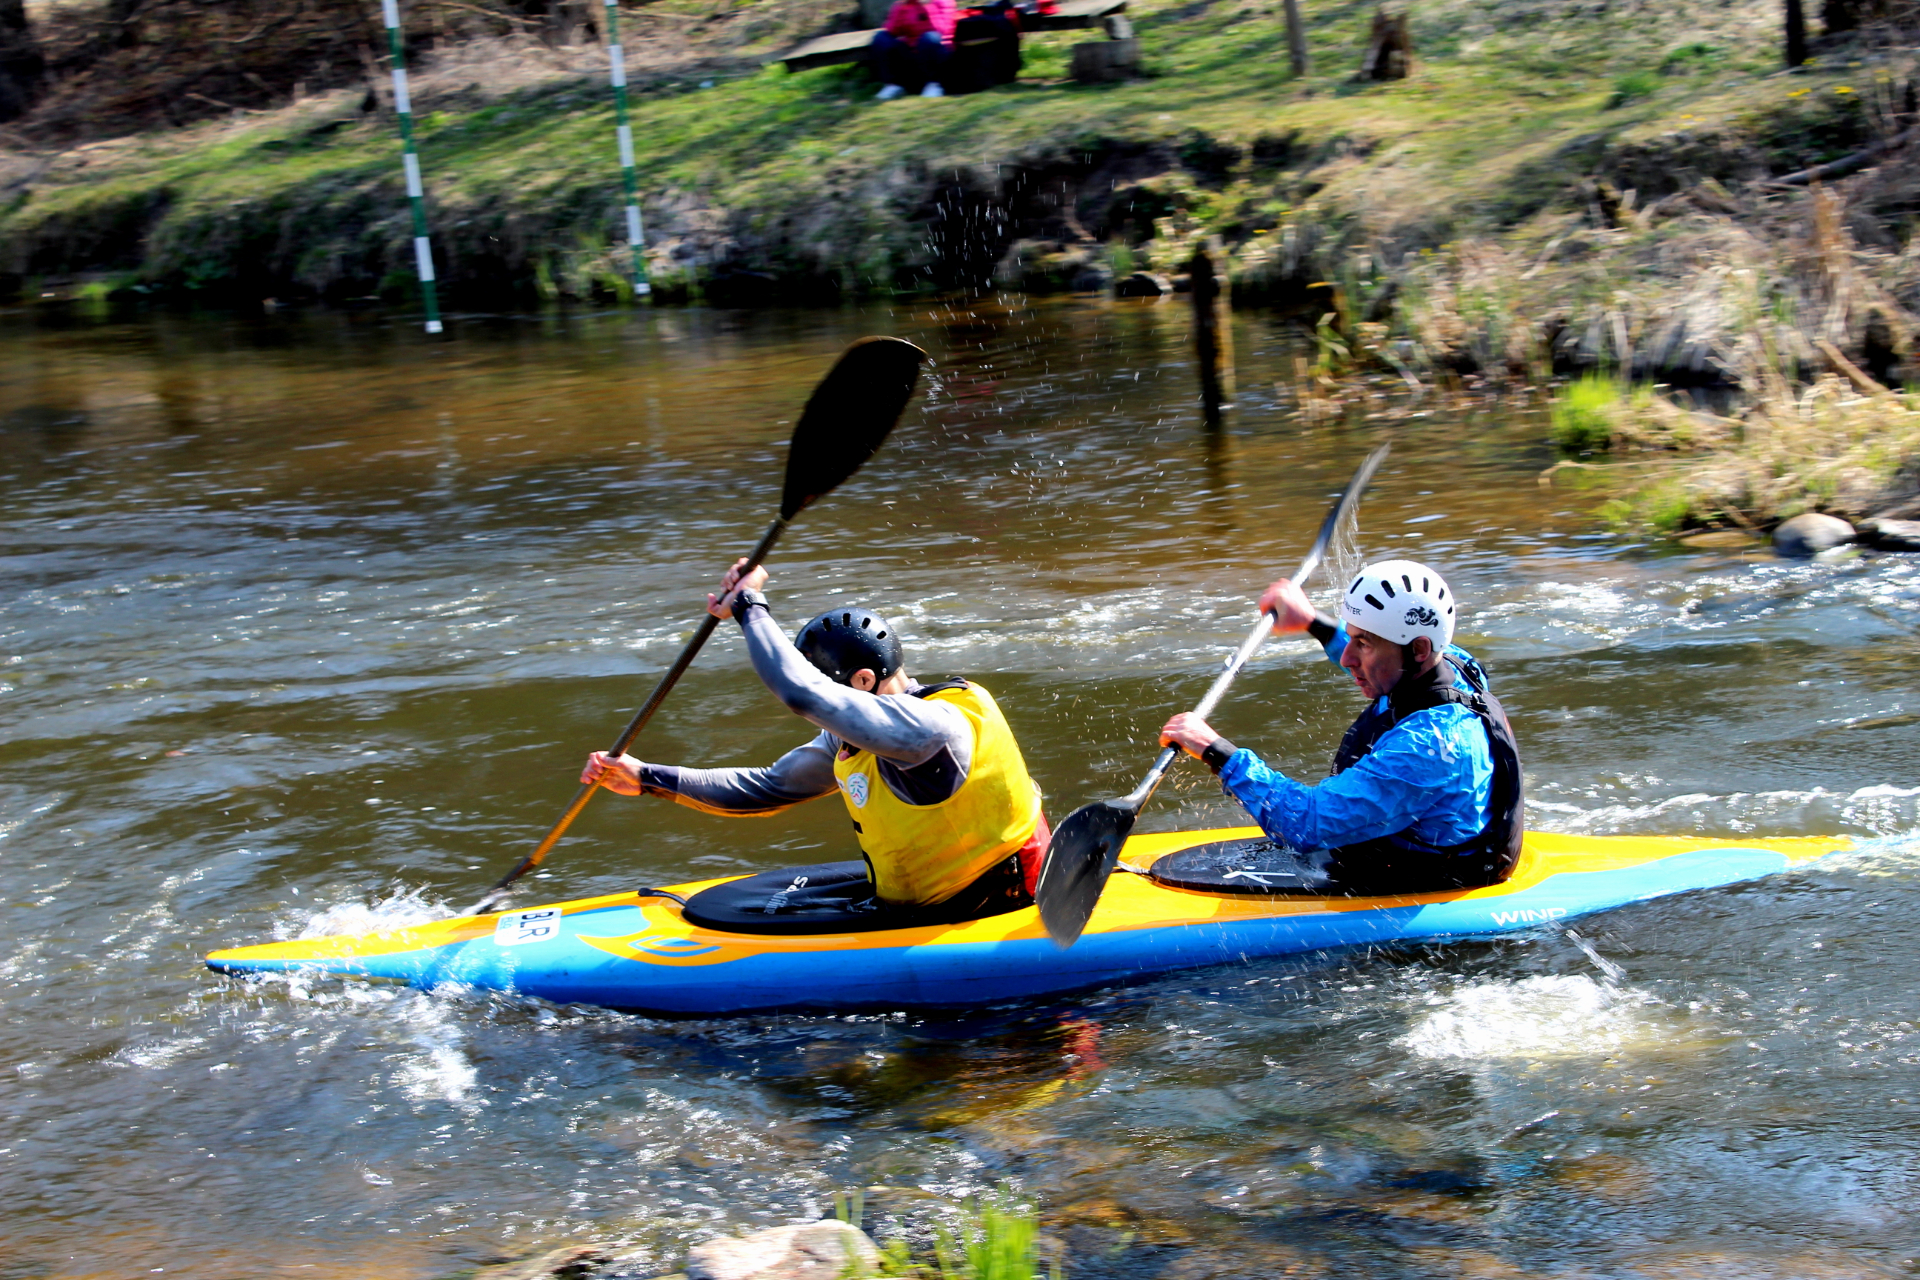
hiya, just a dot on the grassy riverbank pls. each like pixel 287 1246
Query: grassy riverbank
pixel 806 180
pixel 1556 188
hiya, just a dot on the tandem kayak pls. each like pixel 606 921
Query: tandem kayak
pixel 632 951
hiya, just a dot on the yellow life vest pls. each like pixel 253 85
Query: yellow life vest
pixel 923 854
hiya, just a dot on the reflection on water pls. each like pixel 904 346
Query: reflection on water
pixel 309 622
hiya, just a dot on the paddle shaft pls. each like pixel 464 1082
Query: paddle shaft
pixel 634 726
pixel 1138 798
pixel 1086 845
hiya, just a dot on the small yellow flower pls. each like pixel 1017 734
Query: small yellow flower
pixel 1843 89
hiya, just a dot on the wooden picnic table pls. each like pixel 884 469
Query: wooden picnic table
pixel 851 46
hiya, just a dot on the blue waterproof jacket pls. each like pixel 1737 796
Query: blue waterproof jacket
pixel 1429 777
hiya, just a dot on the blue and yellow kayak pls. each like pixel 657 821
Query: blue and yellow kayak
pixel 626 951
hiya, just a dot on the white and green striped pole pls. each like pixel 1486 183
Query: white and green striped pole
pixel 641 287
pixel 410 157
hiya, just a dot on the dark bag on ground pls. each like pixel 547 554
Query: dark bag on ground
pixel 986 49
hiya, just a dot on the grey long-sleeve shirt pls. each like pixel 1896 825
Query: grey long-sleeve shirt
pixel 925 747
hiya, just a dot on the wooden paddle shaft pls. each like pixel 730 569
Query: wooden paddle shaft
pixel 634 726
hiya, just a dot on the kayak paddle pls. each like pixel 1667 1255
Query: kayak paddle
pixel 1087 844
pixel 848 416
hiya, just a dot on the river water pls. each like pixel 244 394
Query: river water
pixel 308 622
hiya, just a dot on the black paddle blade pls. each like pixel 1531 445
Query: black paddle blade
pixel 847 418
pixel 1079 860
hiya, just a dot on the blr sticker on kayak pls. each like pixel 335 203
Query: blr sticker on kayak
pixel 517 928
pixel 856 785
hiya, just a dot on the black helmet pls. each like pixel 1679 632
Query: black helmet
pixel 845 640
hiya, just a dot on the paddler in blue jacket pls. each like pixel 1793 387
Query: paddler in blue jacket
pixel 932 777
pixel 1426 789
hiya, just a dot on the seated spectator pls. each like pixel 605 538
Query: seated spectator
pixel 910 51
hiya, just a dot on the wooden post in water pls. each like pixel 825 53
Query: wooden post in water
pixel 1212 328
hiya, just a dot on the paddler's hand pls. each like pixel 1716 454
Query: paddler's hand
pixel 1290 605
pixel 1190 733
pixel 618 774
pixel 721 606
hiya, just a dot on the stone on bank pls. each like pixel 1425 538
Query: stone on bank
pixel 1891 535
pixel 804 1251
pixel 801 1251
pixel 1810 533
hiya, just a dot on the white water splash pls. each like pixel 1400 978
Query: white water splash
pixel 1893 855
pixel 439 1071
pixel 1882 810
pixel 1609 971
pixel 396 911
pixel 154 1054
pixel 1545 1017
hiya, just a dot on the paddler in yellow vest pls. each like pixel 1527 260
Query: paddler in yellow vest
pixel 930 773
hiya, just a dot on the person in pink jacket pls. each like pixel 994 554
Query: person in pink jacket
pixel 909 51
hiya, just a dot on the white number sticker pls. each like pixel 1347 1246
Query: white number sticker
pixel 517 928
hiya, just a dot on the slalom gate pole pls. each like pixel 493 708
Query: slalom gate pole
pixel 410 158
pixel 624 131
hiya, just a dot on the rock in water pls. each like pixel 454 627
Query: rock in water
pixel 805 1251
pixel 1092 278
pixel 1142 284
pixel 1718 538
pixel 574 1262
pixel 1891 535
pixel 1810 533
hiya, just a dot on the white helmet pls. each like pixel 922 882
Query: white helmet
pixel 1398 600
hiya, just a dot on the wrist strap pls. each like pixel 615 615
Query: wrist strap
pixel 744 601
pixel 1323 628
pixel 1218 752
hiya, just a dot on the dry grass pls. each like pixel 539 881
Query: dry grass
pixel 1702 291
pixel 1722 338
pixel 1813 431
pixel 178 62
pixel 1819 447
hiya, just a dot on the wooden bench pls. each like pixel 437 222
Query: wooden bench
pixel 1070 15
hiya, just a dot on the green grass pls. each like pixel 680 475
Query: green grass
pixel 1687 58
pixel 1664 506
pixel 998 1240
pixel 1584 416
pixel 997 1237
pixel 1633 86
